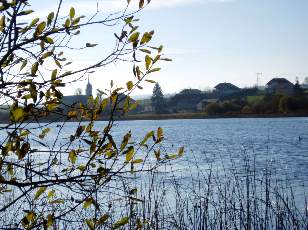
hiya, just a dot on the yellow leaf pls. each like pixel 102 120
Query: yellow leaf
pixel 72 12
pixel 147 136
pixel 134 37
pixel 120 223
pixel 172 156
pixel 23 65
pixel 88 202
pixel 50 220
pixel 103 219
pixel 72 114
pixel 34 68
pixel 157 154
pixel 130 85
pixel 72 156
pixel 154 70
pixel 34 21
pixel 51 194
pixel 54 74
pixel 49 40
pixel 151 81
pixel 160 133
pixel 2 23
pixel 148 61
pixel 39 192
pixel 90 224
pixel 58 201
pixel 130 154
pixel 50 17
pixel 40 28
pixel 141 3
pixel 46 55
pixel 181 151
pixel 146 38
pixel 125 141
pixel 17 115
pixel 67 23
pixel 137 161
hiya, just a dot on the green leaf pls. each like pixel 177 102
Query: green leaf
pixel 39 192
pixel 72 12
pixel 120 223
pixel 129 85
pixel 134 37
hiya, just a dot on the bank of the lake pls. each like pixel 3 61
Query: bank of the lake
pixel 202 116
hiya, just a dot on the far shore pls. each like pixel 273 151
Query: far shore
pixel 203 116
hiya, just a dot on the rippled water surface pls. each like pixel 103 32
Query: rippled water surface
pixel 281 143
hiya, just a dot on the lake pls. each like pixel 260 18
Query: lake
pixel 278 146
pixel 280 143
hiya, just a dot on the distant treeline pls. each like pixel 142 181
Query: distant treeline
pixel 260 105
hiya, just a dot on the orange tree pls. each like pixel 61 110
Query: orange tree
pixel 51 180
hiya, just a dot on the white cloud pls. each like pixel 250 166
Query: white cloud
pixel 86 7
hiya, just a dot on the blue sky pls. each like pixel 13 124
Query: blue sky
pixel 212 41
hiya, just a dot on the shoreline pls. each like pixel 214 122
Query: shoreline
pixel 177 116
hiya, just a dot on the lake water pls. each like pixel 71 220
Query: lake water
pixel 279 143
pixel 276 144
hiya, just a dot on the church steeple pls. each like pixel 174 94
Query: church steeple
pixel 89 88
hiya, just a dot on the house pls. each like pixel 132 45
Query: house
pixel 186 100
pixel 279 86
pixel 74 99
pixel 203 103
pixel 223 89
pixel 146 105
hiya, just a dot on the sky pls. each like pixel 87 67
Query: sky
pixel 210 41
